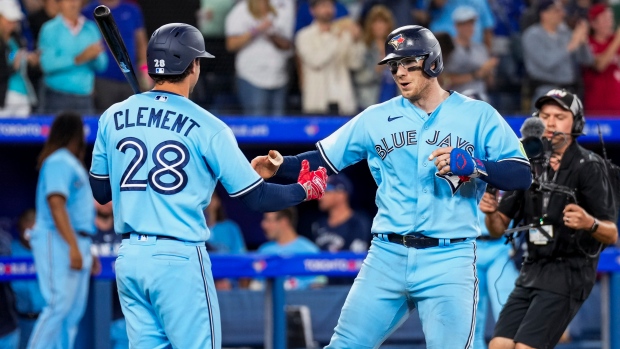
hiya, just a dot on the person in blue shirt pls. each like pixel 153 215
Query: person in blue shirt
pixel 483 30
pixel 431 153
pixel 279 228
pixel 158 157
pixel 71 53
pixel 29 300
pixel 61 236
pixel 110 84
pixel 226 236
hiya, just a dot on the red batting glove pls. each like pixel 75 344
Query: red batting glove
pixel 313 182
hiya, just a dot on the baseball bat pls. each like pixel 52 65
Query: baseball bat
pixel 109 30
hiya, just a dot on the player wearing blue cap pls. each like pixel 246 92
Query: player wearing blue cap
pixel 431 153
pixel 158 157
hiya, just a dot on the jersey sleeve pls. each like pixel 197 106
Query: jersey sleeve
pixel 500 141
pixel 229 165
pixel 99 166
pixel 57 177
pixel 346 146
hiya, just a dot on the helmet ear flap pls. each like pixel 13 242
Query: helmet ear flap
pixel 436 59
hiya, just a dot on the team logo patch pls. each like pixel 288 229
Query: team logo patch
pixel 161 98
pixel 455 182
pixel 397 40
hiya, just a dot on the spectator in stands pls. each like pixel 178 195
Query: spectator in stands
pixel 71 53
pixel 262 39
pixel 9 329
pixel 374 83
pixel 36 19
pixel 602 80
pixel 483 29
pixel 15 88
pixel 328 51
pixel 30 302
pixel 305 17
pixel 44 14
pixel 216 88
pixel 506 90
pixel 280 229
pixel 106 244
pixel 226 236
pixel 343 229
pixel 551 51
pixel 110 84
pixel 403 11
pixel 577 11
pixel 469 67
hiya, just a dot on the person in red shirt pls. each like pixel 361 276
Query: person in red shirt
pixel 602 80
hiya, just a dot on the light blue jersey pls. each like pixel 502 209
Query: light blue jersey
pixel 64 290
pixel 226 237
pixel 163 156
pixel 62 173
pixel 301 245
pixel 396 138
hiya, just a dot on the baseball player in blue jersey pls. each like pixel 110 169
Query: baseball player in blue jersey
pixel 61 236
pixel 431 153
pixel 158 157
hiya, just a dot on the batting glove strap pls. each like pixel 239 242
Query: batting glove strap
pixel 313 182
pixel 463 164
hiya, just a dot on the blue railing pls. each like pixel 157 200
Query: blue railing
pixel 269 130
pixel 275 268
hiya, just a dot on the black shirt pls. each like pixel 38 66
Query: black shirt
pixel 352 235
pixel 567 264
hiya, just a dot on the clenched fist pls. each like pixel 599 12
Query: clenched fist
pixel 313 182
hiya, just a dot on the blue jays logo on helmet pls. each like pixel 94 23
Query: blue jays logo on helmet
pixel 397 40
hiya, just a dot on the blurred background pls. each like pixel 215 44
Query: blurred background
pixel 278 86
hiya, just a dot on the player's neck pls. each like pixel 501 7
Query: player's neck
pixel 431 98
pixel 180 88
pixel 339 215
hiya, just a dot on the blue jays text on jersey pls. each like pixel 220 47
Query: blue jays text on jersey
pixel 406 138
pixel 411 196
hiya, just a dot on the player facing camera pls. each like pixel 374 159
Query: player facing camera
pixel 568 217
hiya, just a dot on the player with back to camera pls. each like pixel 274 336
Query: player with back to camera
pixel 431 153
pixel 158 157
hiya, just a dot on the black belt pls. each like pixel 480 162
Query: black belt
pixel 159 237
pixel 83 234
pixel 418 242
pixel 487 238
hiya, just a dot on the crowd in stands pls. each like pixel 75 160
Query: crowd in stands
pixel 316 57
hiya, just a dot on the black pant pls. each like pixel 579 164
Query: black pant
pixel 536 317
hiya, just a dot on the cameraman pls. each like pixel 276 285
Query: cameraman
pixel 572 209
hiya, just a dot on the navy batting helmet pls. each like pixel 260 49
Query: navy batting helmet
pixel 173 47
pixel 415 41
